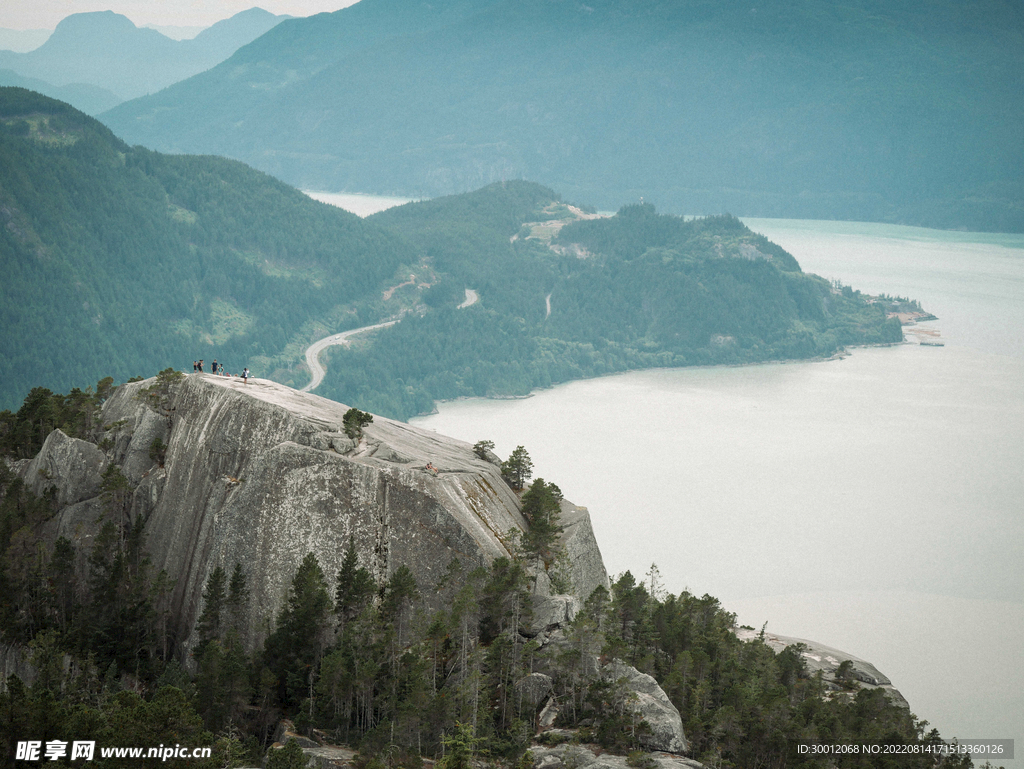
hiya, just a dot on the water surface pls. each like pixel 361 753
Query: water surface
pixel 873 503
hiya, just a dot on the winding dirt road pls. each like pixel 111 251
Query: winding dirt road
pixel 314 350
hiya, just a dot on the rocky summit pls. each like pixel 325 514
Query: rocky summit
pixel 258 474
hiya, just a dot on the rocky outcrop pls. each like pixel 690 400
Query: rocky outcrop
pixel 636 691
pixel 67 467
pixel 580 564
pixel 259 474
pixel 649 702
pixel 591 757
pixel 818 657
pixel 582 556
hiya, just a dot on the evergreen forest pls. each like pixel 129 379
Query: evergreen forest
pixel 119 260
pixel 564 298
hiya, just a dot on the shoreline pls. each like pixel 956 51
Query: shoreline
pixel 842 354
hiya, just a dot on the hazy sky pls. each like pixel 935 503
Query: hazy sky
pixel 45 14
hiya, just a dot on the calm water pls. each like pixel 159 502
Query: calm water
pixel 356 202
pixel 873 504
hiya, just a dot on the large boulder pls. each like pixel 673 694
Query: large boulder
pixel 653 705
pixel 534 688
pixel 70 468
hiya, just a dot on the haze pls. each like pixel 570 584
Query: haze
pixel 46 14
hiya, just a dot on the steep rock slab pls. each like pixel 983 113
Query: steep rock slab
pixel 260 474
pixel 583 557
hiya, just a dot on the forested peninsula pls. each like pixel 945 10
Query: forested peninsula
pixel 565 296
pixel 119 260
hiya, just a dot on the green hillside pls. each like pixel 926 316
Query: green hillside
pixel 122 261
pixel 633 291
pixel 909 112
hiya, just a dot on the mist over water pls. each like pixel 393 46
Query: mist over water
pixel 358 203
pixel 872 503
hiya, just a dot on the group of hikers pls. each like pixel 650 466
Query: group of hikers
pixel 219 370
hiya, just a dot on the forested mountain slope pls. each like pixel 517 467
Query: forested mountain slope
pixel 563 297
pixel 120 260
pixel 908 111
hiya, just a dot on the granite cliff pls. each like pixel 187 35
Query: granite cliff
pixel 261 475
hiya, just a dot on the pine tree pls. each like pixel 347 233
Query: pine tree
pixel 238 599
pixel 542 504
pixel 293 650
pixel 517 469
pixel 355 586
pixel 210 622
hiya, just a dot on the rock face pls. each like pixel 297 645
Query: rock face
pixel 826 659
pixel 70 467
pixel 261 475
pixel 653 706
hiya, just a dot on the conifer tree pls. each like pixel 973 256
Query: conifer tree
pixel 542 504
pixel 293 650
pixel 355 586
pixel 210 621
pixel 517 469
pixel 238 599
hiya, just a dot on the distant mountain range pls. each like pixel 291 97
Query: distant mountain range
pixel 908 111
pixel 104 50
pixel 91 99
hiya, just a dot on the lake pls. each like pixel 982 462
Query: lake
pixel 872 504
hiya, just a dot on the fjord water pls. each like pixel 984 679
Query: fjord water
pixel 874 504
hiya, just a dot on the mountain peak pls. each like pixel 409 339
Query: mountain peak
pixel 97 23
